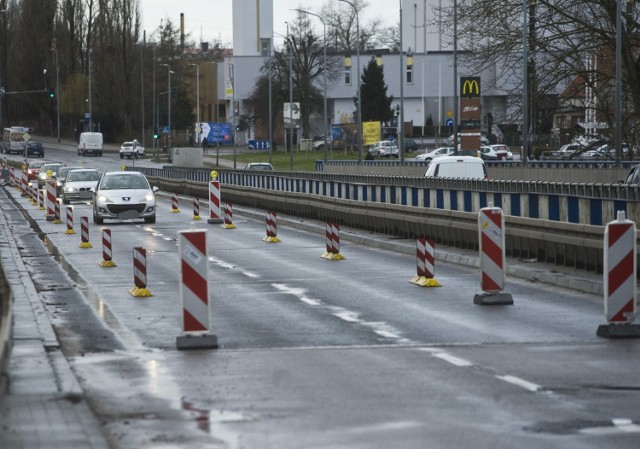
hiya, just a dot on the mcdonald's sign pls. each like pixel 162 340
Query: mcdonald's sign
pixel 470 86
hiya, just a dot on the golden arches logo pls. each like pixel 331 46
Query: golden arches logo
pixel 470 87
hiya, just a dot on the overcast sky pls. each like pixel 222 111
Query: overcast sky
pixel 209 20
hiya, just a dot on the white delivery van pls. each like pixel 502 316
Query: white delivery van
pixel 467 167
pixel 90 143
pixel 13 140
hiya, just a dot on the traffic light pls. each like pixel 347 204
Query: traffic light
pixel 155 132
pixel 52 93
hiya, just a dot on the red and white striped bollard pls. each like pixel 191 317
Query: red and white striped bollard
pixel 425 258
pixel 332 235
pixel 69 221
pixel 196 208
pixel 51 200
pixel 84 233
pixel 107 253
pixel 194 291
pixel 272 228
pixel 215 215
pixel 140 273
pixel 174 203
pixel 228 216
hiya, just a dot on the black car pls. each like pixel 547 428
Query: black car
pixel 34 149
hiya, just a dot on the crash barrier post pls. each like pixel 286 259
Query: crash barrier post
pixel 69 221
pixel 215 216
pixel 41 195
pixel 196 208
pixel 33 196
pixel 194 292
pixel 332 235
pixel 620 293
pixel 107 253
pixel 272 228
pixel 51 200
pixel 174 203
pixel 57 219
pixel 12 176
pixel 492 258
pixel 425 258
pixel 140 273
pixel 228 216
pixel 84 233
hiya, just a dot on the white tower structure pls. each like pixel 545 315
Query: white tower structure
pixel 252 27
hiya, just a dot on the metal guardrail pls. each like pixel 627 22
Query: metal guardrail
pixel 6 305
pixel 563 243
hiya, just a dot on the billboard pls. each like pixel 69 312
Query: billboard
pixel 371 132
pixel 216 132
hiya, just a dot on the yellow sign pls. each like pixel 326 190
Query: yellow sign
pixel 371 132
pixel 470 86
pixel 214 175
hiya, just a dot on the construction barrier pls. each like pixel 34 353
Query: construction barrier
pixel 228 216
pixel 84 233
pixel 174 203
pixel 51 200
pixel 332 235
pixel 41 195
pixel 107 254
pixel 69 221
pixel 196 208
pixel 194 292
pixel 140 274
pixel 492 258
pixel 33 196
pixel 425 258
pixel 25 183
pixel 57 214
pixel 272 228
pixel 215 215
pixel 12 176
pixel 620 292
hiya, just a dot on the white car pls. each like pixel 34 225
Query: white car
pixel 124 195
pixel 438 152
pixel 503 152
pixel 384 148
pixel 131 150
pixel 79 184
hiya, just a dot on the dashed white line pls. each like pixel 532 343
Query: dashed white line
pixel 457 361
pixel 530 386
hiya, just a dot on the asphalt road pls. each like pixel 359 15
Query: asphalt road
pixel 323 354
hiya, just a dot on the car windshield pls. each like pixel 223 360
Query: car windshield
pixel 75 176
pixel 116 182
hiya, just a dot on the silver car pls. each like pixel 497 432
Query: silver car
pixel 124 195
pixel 79 184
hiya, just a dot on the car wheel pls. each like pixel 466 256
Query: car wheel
pixel 122 156
pixel 135 155
pixel 150 219
pixel 100 154
pixel 65 201
pixel 96 219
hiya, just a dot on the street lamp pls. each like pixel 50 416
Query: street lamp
pixel 401 116
pixel 88 50
pixel 169 72
pixel 55 50
pixel 324 72
pixel 197 66
pixel 290 51
pixel 359 105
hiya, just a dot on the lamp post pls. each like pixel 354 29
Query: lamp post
pixel 55 50
pixel 290 52
pixel 197 66
pixel 4 11
pixel 401 116
pixel 359 105
pixel 618 93
pixel 455 77
pixel 169 72
pixel 524 155
pixel 144 44
pixel 270 108
pixel 232 69
pixel 324 73
pixel 88 50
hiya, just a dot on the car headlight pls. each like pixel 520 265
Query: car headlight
pixel 149 197
pixel 70 189
pixel 104 199
pixel 42 175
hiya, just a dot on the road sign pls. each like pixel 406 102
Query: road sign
pixel 449 122
pixel 165 130
pixel 449 114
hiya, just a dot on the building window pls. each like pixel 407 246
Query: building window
pixel 347 71
pixel 265 45
pixel 409 74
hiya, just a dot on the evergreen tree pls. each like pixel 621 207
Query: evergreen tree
pixel 376 105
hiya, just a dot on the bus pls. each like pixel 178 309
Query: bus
pixel 13 140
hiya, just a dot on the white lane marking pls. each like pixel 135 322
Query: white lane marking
pixel 457 361
pixel 530 386
pixel 221 263
pixel 347 315
pixel 310 301
pixel 620 425
pixel 251 275
pixel 386 334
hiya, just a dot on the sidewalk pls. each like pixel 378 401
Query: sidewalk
pixel 44 406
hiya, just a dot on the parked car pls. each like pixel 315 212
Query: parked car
pixel 34 149
pixel 467 167
pixel 384 148
pixel 410 145
pixel 47 172
pixel 438 152
pixel 124 195
pixel 33 169
pixel 61 177
pixel 80 184
pixel 503 152
pixel 131 150
pixel 261 166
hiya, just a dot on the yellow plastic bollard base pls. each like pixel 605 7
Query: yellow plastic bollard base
pixel 57 221
pixel 175 211
pixel 107 263
pixel 228 226
pixel 41 208
pixel 423 281
pixel 69 231
pixel 332 256
pixel 138 292
pixel 196 217
pixel 271 239
pixel 85 245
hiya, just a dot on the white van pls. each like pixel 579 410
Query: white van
pixel 13 140
pixel 468 167
pixel 90 143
